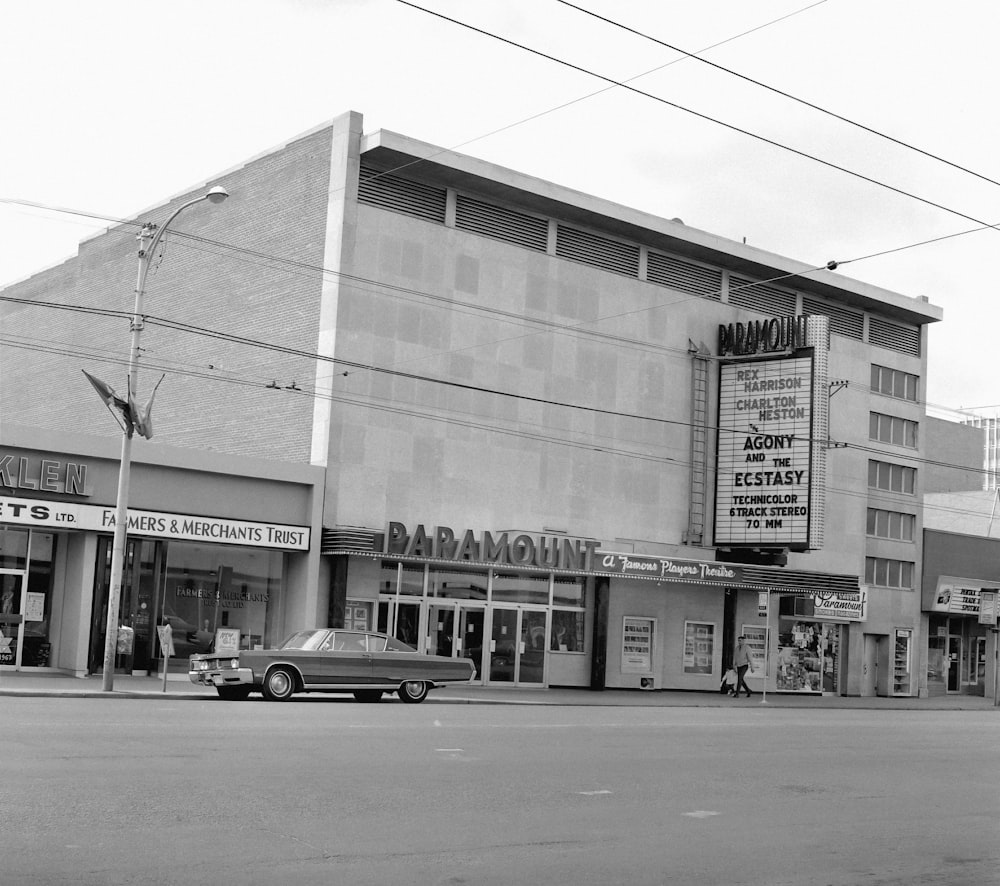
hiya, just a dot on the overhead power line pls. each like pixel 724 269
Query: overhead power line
pixel 708 118
pixel 698 58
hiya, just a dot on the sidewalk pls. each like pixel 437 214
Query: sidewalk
pixel 38 684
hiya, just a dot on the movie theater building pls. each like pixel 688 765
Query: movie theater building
pixel 579 443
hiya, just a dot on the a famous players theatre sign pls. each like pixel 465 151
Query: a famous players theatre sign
pixel 762 492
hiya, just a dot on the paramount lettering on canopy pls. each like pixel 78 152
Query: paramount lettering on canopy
pixel 521 549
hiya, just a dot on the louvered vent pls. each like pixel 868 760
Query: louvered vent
pixel 500 223
pixel 762 297
pixel 843 320
pixel 347 539
pixel 794 582
pixel 900 337
pixel 401 194
pixel 684 276
pixel 591 249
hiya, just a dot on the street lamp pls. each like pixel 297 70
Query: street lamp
pixel 149 238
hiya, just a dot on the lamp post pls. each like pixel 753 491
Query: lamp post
pixel 149 238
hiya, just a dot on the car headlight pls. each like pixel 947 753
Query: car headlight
pixel 234 663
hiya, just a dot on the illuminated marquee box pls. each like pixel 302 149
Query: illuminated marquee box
pixel 764 465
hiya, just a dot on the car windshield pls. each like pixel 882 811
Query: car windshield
pixel 305 640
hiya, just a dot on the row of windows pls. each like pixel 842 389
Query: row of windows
pixel 892 478
pixel 885 573
pixel 494 585
pixel 891 524
pixel 892 429
pixel 894 383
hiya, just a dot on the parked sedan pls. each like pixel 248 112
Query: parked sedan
pixel 330 660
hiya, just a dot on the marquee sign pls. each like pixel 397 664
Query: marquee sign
pixel 764 464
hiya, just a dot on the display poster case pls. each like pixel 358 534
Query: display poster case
pixel 901 650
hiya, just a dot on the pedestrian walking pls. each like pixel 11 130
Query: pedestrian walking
pixel 742 661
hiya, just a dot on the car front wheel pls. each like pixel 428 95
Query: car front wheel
pixel 279 685
pixel 414 691
pixel 233 693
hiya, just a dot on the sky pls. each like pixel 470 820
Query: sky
pixel 111 107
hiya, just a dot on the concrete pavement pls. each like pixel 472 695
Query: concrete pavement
pixel 47 684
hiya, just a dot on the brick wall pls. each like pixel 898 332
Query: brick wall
pixel 263 286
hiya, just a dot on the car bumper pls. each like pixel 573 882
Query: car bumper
pixel 232 677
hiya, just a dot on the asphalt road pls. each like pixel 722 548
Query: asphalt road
pixel 101 792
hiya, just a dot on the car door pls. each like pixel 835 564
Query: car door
pixel 346 660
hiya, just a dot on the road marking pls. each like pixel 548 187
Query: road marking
pixel 701 813
pixel 592 793
pixel 449 750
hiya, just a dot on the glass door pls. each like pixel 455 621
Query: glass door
pixel 11 617
pixel 953 673
pixel 503 645
pixel 401 620
pixel 517 646
pixel 441 638
pixel 471 623
pixel 531 654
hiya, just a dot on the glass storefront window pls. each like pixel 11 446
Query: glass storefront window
pixel 568 591
pixel 388 580
pixel 808 656
pixel 458 584
pixel 567 631
pixel 13 548
pixel 411 581
pixel 400 578
pixel 515 587
pixel 211 586
pixel 38 605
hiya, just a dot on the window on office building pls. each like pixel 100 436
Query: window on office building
pixel 892 478
pixel 885 573
pixel 894 383
pixel 892 429
pixel 890 524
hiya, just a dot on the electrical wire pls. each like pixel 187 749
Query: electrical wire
pixel 306 269
pixel 706 117
pixel 696 57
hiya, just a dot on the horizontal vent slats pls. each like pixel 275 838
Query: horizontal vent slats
pixel 843 321
pixel 792 582
pixel 762 297
pixel 900 337
pixel 683 276
pixel 342 540
pixel 600 252
pixel 501 223
pixel 401 194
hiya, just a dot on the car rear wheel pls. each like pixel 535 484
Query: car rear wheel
pixel 414 691
pixel 279 684
pixel 369 695
pixel 233 693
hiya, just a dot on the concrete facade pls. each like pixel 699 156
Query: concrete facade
pixel 458 344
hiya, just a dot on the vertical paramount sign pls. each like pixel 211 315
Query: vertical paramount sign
pixel 770 476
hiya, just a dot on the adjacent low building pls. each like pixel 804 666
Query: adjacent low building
pixel 577 443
